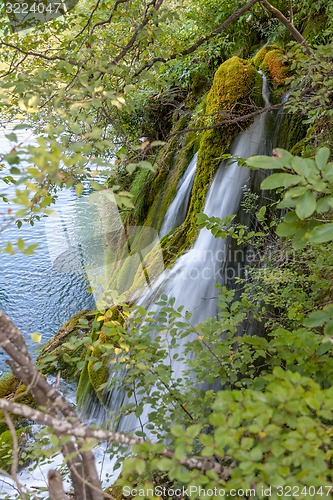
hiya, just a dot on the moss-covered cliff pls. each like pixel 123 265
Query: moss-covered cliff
pixel 235 91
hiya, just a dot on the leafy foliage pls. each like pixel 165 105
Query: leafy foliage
pixel 307 187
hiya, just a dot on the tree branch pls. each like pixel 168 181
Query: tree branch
pixel 15 454
pixel 228 121
pixel 290 27
pixel 156 4
pixel 56 488
pixel 48 397
pixel 235 15
pixel 67 427
pixel 40 55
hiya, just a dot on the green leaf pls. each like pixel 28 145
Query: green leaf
pixel 322 233
pixel 11 137
pixel 328 172
pixel 12 158
pixel 277 180
pixel 36 337
pixel 140 466
pixel 79 189
pixel 287 228
pixel 265 162
pixel 20 244
pixel 316 318
pixel 30 250
pixel 306 205
pixel 302 166
pixel 322 157
pixel 9 248
pixel 177 430
pixel 22 126
pixel 15 171
pixel 147 165
pixel 193 431
pixel 95 185
pixel 324 204
pixel 329 328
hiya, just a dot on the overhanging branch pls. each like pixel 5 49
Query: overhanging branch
pixel 228 121
pixel 66 427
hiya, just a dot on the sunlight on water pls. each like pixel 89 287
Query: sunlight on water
pixel 35 295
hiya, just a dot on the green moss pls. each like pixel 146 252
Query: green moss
pixel 315 29
pixel 139 186
pixel 84 387
pixel 8 385
pixel 116 492
pixel 93 375
pixel 236 86
pixel 23 396
pixel 260 55
pixel 318 135
pixel 6 446
pixel 234 83
pixel 172 165
pixel 275 66
pixel 291 132
pixel 144 276
pixel 12 389
pixel 154 197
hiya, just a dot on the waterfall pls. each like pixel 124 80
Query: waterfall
pixel 191 281
pixel 176 212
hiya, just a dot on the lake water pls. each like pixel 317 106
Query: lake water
pixel 35 295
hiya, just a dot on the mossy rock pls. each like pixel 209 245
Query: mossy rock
pixel 292 131
pixel 8 385
pixel 234 83
pixel 13 390
pixel 94 375
pixel 258 59
pixel 319 134
pixel 6 446
pixel 275 66
pixel 55 356
pixel 154 198
pixel 315 29
pixel 152 195
pixel 237 87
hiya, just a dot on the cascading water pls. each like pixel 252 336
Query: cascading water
pixel 176 212
pixel 191 282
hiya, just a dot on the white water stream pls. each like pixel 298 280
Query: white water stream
pixel 176 212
